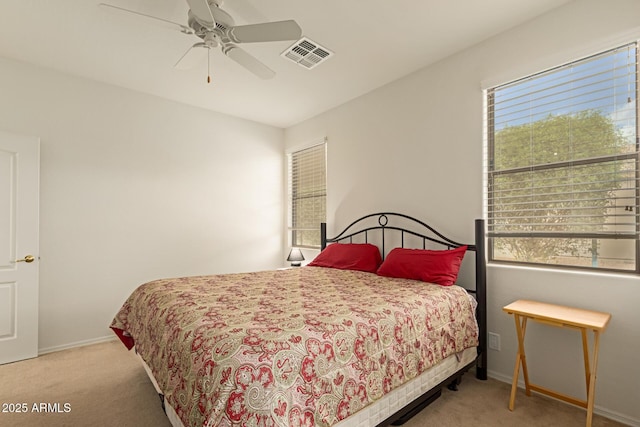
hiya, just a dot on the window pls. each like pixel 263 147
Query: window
pixel 562 165
pixel 307 173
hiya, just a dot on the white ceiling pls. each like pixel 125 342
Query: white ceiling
pixel 374 41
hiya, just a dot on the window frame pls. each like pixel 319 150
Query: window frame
pixel 489 175
pixel 290 220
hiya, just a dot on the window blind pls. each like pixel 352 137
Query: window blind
pixel 307 194
pixel 562 177
pixel 563 152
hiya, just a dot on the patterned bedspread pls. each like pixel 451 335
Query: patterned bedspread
pixel 305 346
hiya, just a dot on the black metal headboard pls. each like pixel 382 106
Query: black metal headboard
pixel 391 222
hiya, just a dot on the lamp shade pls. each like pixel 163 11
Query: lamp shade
pixel 295 257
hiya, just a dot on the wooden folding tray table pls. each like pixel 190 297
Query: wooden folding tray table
pixel 560 316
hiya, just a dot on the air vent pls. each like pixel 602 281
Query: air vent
pixel 307 53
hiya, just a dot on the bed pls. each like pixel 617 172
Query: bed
pixel 352 339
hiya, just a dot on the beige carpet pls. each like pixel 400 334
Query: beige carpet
pixel 104 385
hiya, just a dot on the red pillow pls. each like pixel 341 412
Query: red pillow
pixel 349 256
pixel 439 267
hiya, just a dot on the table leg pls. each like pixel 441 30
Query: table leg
pixel 521 328
pixel 592 379
pixel 585 352
pixel 514 385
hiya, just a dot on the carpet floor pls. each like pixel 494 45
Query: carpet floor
pixel 105 385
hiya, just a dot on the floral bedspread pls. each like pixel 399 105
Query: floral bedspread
pixel 305 346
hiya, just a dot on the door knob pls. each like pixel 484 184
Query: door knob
pixel 27 259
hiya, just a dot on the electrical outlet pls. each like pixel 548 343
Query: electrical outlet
pixel 494 341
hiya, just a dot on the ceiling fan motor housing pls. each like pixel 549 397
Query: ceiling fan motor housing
pixel 223 21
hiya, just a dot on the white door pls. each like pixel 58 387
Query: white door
pixel 19 222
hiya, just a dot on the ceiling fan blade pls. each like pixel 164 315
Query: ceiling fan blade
pixel 265 32
pixel 243 58
pixel 202 12
pixel 192 57
pixel 164 22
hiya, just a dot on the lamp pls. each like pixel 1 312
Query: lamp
pixel 295 256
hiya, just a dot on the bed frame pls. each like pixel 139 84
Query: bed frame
pixel 389 225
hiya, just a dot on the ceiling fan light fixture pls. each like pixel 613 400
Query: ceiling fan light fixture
pixel 211 40
pixel 307 53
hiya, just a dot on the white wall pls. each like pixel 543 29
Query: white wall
pixel 415 146
pixel 135 188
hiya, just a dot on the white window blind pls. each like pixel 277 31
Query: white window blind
pixel 307 195
pixel 562 167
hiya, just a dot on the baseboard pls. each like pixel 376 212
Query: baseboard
pixel 76 344
pixel 612 415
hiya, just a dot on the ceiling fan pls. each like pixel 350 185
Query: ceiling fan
pixel 217 28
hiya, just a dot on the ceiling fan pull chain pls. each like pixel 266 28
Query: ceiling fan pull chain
pixel 208 65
